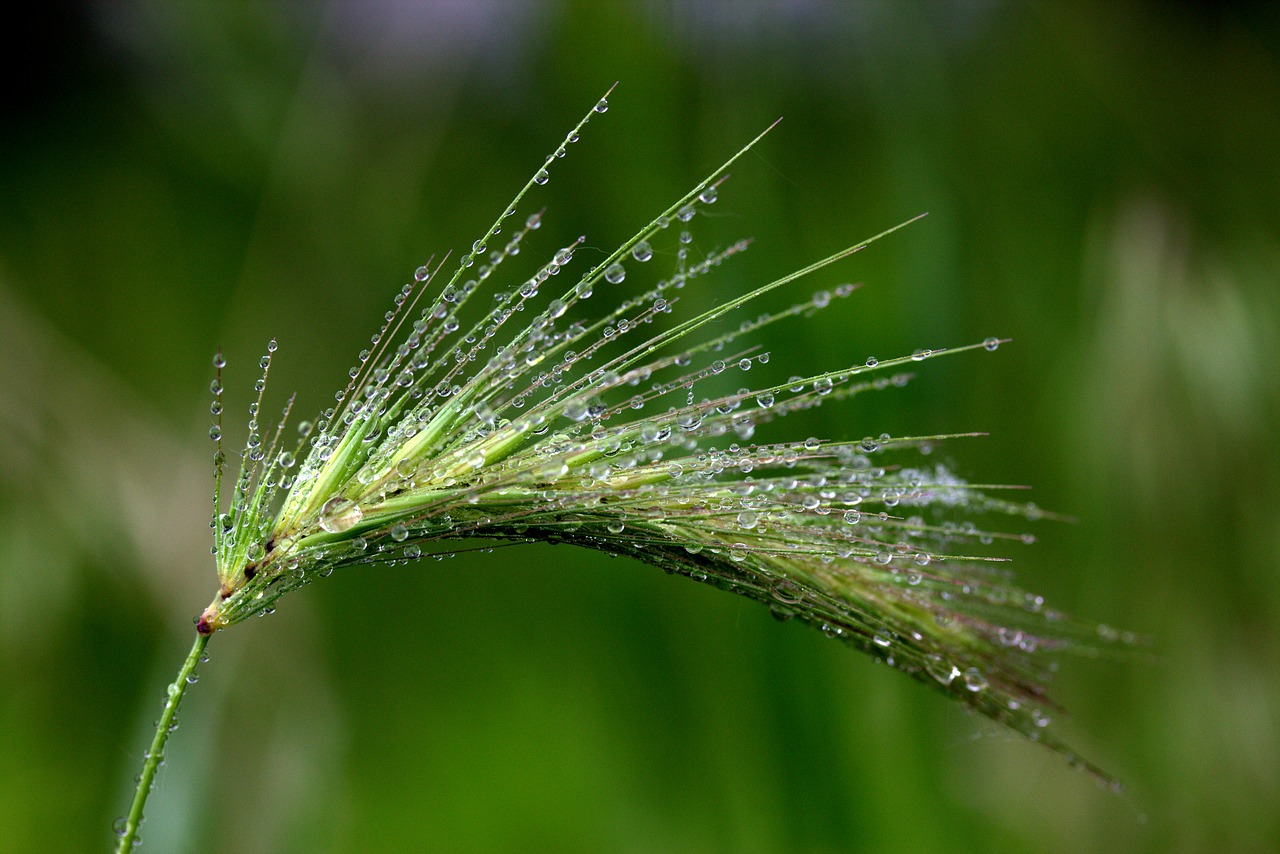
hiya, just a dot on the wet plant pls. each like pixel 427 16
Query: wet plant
pixel 535 404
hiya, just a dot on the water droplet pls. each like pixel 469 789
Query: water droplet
pixel 642 251
pixel 974 680
pixel 708 196
pixel 822 385
pixel 340 514
pixel 614 274
pixel 412 551
pixel 215 432
pixel 765 399
pixel 685 213
pixel 881 640
pixel 421 274
pixel 943 671
pixel 399 532
pixel 991 343
pixel 787 592
pixel 219 361
pixel 748 519
pixel 542 177
pixel 614 526
pixel 602 105
pixel 872 361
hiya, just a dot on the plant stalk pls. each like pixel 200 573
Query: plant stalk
pixel 128 831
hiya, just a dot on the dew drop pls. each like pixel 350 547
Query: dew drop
pixel 602 105
pixel 787 592
pixel 642 251
pixel 339 514
pixel 943 671
pixel 399 532
pixel 614 274
pixel 421 274
pixel 542 177
pixel 991 343
pixel 974 680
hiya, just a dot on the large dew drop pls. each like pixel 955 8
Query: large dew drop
pixel 340 514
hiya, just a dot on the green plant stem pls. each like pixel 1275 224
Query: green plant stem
pixel 155 754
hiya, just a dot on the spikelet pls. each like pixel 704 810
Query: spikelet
pixel 549 420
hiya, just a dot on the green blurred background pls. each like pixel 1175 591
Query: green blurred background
pixel 1102 182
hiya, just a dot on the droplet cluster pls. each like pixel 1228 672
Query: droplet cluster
pixel 576 404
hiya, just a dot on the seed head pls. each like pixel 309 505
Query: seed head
pixel 566 413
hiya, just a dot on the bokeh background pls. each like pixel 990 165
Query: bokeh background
pixel 1102 182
